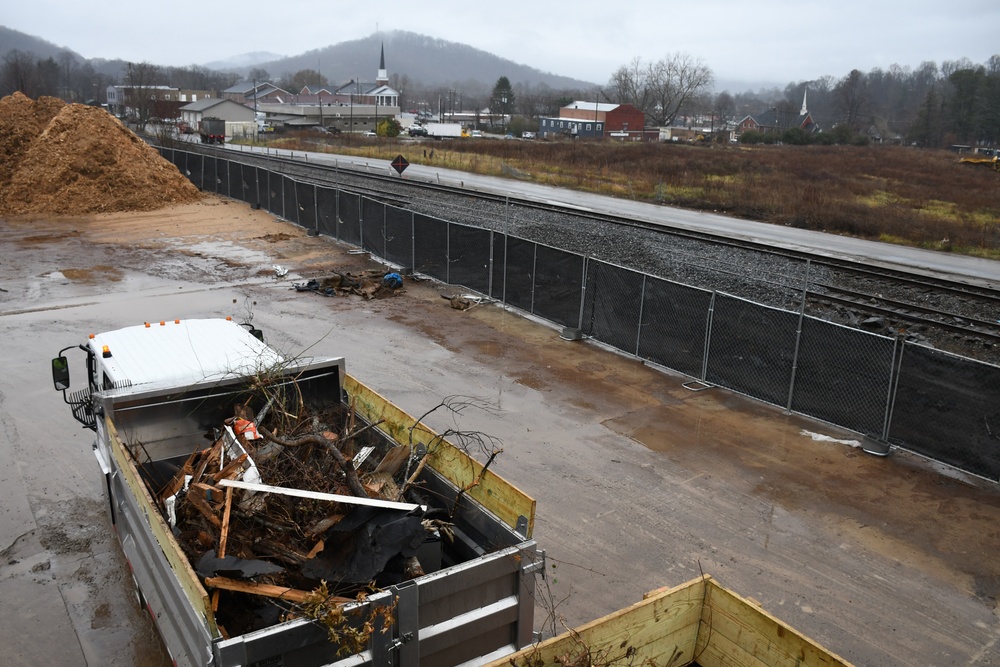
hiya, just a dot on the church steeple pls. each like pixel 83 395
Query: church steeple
pixel 383 76
pixel 804 111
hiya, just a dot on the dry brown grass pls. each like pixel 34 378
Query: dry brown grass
pixel 902 195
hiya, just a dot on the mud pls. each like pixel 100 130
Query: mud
pixel 640 481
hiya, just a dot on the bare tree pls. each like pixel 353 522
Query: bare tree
pixel 675 81
pixel 140 95
pixel 629 84
pixel 20 73
pixel 661 89
pixel 852 96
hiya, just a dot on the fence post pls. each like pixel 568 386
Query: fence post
pixel 583 291
pixel 534 273
pixel 708 337
pixel 798 338
pixel 642 303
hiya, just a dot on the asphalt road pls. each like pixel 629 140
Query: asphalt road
pixel 640 482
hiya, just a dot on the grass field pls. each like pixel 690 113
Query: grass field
pixel 910 196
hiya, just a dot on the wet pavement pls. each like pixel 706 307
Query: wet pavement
pixel 640 482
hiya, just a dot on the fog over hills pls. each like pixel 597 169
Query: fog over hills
pixel 410 57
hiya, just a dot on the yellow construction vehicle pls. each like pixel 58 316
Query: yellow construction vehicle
pixel 991 162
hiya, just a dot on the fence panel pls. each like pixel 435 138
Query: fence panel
pixel 289 211
pixel 519 273
pixel 222 173
pixel 305 203
pixel 373 226
pixel 349 209
pixel 430 246
pixel 238 186
pixel 469 257
pixel 399 236
pixel 558 285
pixel 271 193
pixel 326 212
pixel 948 408
pixel 194 169
pixel 843 376
pixel 611 313
pixel 210 182
pixel 499 244
pixel 674 324
pixel 751 348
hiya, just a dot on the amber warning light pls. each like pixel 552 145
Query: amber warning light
pixel 106 352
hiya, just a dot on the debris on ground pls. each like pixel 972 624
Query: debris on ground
pixel 463 301
pixel 293 501
pixel 371 284
pixel 74 159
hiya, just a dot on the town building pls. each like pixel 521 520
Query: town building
pixel 776 120
pixel 354 106
pixel 594 120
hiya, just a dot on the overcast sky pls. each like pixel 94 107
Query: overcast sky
pixel 763 41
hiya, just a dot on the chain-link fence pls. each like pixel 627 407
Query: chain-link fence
pixel 939 405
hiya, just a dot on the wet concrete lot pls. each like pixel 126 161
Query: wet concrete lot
pixel 640 482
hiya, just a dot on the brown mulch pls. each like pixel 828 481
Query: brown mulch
pixel 73 159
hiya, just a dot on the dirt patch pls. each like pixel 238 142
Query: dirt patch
pixel 74 159
pixel 93 274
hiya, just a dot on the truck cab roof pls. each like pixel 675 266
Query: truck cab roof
pixel 180 352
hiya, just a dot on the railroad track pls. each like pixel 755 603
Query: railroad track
pixel 910 301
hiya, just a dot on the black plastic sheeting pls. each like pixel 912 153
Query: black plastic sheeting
pixel 499 242
pixel 260 191
pixel 843 376
pixel 519 273
pixel 238 185
pixel 399 236
pixel 558 283
pixel 611 311
pixel 948 408
pixel 469 257
pixel 349 208
pixel 289 207
pixel 305 201
pixel 373 226
pixel 209 182
pixel 326 212
pixel 674 325
pixel 430 246
pixel 751 348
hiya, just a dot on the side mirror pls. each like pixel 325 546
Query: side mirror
pixel 60 373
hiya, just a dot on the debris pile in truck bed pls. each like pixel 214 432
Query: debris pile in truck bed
pixel 315 512
pixel 74 159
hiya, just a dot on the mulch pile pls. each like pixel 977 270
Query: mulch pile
pixel 73 159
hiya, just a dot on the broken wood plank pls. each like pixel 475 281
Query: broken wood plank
pixel 317 495
pixel 230 468
pixel 224 536
pixel 197 495
pixel 267 590
pixel 177 483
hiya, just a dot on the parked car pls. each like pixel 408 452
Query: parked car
pixel 369 133
pixel 477 133
pixel 527 135
pixel 417 131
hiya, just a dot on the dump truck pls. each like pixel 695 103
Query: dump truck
pixel 212 130
pixel 277 511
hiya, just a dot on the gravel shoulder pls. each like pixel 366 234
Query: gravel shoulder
pixel 640 482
